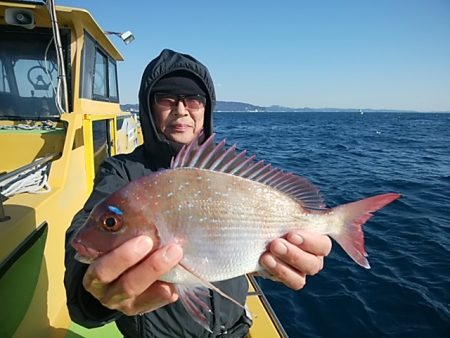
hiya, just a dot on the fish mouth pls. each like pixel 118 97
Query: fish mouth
pixel 84 253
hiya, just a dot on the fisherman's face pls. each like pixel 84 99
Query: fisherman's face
pixel 175 118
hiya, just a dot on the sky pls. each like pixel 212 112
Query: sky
pixel 384 54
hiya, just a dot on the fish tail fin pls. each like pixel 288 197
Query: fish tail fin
pixel 354 215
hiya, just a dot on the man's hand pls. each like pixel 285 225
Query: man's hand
pixel 300 253
pixel 126 279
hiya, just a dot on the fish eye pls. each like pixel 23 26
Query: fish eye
pixel 112 223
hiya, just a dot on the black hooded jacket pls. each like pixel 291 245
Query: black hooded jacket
pixel 159 151
pixel 156 152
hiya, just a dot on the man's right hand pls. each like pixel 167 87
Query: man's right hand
pixel 126 279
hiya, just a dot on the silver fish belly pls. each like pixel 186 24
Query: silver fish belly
pixel 224 222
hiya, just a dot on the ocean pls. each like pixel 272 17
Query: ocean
pixel 350 156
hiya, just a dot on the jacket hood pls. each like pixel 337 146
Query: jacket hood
pixel 158 150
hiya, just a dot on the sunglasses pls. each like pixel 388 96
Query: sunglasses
pixel 190 101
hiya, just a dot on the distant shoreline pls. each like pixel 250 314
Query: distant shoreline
pixel 240 107
pixel 373 111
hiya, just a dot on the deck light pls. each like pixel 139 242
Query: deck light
pixel 127 37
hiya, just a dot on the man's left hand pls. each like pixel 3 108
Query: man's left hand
pixel 299 254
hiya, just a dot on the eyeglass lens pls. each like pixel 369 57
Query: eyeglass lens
pixel 189 101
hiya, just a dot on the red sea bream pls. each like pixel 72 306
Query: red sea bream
pixel 223 208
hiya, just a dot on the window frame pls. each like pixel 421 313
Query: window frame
pixel 91 50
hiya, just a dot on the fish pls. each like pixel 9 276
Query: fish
pixel 223 207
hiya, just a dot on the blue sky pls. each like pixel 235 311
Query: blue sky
pixel 384 54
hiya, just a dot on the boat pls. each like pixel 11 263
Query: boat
pixel 60 116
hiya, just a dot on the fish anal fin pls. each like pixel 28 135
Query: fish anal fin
pixel 209 285
pixel 194 305
pixel 190 297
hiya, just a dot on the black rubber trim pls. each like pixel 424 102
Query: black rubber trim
pixel 22 248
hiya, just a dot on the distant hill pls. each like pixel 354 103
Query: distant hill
pixel 231 106
pixel 220 106
pixel 130 107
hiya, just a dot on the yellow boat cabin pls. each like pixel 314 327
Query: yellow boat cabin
pixel 60 116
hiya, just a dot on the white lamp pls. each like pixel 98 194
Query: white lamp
pixel 127 37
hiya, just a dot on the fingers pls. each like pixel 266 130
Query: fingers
pixel 126 279
pixel 279 271
pixel 138 278
pixel 314 243
pixel 109 267
pixel 292 258
pixel 157 295
pixel 295 257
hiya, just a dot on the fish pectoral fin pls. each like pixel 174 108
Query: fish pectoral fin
pixel 190 297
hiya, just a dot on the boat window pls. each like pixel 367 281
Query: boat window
pixel 119 121
pixel 88 67
pixel 113 90
pixel 28 75
pixel 99 73
pixel 4 84
pixel 102 140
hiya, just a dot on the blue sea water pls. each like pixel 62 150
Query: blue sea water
pixel 350 156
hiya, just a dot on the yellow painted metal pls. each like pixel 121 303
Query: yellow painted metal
pixel 265 322
pixel 37 143
pixel 89 146
pixel 47 313
pixel 71 178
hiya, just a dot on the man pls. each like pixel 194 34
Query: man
pixel 176 100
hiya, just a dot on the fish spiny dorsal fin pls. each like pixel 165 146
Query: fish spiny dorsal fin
pixel 217 157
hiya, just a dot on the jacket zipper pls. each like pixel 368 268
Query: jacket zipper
pixel 140 325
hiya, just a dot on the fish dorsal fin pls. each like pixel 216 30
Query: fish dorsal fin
pixel 216 157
